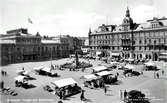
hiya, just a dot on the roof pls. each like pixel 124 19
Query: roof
pixel 90 76
pixel 19 78
pixel 38 68
pixel 64 82
pixel 46 69
pixel 103 73
pixel 129 66
pixel 50 41
pixel 7 41
pixel 150 63
pixel 100 68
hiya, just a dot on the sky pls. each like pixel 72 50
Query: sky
pixel 74 17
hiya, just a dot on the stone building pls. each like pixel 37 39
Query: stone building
pixel 20 46
pixel 131 40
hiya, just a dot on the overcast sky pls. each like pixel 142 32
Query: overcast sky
pixel 74 17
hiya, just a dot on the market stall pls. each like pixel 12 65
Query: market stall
pixel 91 81
pixel 107 76
pixel 66 87
pixel 99 68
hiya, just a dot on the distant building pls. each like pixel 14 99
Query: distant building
pixel 20 46
pixel 131 40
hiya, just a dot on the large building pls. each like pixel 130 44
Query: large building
pixel 131 40
pixel 20 46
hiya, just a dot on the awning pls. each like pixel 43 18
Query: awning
pixel 64 82
pixel 98 53
pixel 100 68
pixel 128 66
pixel 114 63
pixel 163 53
pixel 163 57
pixel 38 68
pixel 130 59
pixel 103 73
pixel 90 76
pixel 20 78
pixel 115 54
pixel 46 69
pixel 150 64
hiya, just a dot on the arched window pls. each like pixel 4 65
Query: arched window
pixel 154 41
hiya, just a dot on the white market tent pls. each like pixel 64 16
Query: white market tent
pixel 90 76
pixel 128 66
pixel 64 82
pixel 103 73
pixel 150 64
pixel 114 63
pixel 38 68
pixel 100 68
pixel 20 71
pixel 46 69
pixel 130 59
pixel 20 78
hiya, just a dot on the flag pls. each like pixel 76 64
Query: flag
pixel 30 21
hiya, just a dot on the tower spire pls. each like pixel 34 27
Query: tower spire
pixel 127 12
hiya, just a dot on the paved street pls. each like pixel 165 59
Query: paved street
pixel 155 89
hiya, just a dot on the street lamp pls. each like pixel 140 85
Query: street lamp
pixel 132 27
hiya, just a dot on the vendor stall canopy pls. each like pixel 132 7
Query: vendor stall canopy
pixel 128 66
pixel 103 73
pixel 89 77
pixel 100 68
pixel 64 82
pixel 150 63
pixel 20 78
pixel 46 69
pixel 38 68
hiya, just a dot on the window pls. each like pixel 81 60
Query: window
pixel 113 48
pixel 145 48
pixel 140 41
pixel 140 48
pixel 154 41
pixel 150 41
pixel 145 41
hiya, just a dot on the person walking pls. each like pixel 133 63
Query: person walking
pixel 157 75
pixel 121 94
pixel 2 84
pixel 105 90
pixel 163 72
pixel 82 95
pixel 125 94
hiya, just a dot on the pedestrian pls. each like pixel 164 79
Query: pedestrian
pixel 117 74
pixel 82 95
pixel 158 75
pixel 163 72
pixel 60 101
pixel 120 94
pixel 61 95
pixel 125 94
pixel 105 89
pixel 2 84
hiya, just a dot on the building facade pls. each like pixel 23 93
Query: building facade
pixel 20 46
pixel 130 40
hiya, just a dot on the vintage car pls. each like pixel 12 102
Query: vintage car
pixel 135 96
pixel 45 71
pixel 66 87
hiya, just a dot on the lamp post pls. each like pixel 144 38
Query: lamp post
pixel 132 25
